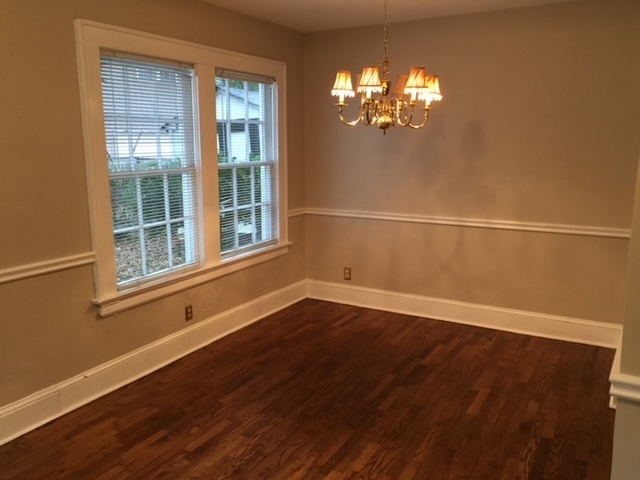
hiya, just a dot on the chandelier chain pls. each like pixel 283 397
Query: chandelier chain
pixel 386 33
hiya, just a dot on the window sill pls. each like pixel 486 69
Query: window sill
pixel 127 300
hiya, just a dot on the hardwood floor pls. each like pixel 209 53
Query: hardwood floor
pixel 328 391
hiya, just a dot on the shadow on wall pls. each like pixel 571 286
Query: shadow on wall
pixel 436 179
pixel 466 181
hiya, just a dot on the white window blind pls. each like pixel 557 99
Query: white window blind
pixel 151 155
pixel 247 157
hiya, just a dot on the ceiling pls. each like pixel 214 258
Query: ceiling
pixel 318 15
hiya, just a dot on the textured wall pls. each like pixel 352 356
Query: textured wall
pixel 626 462
pixel 539 124
pixel 49 330
pixel 630 353
pixel 626 439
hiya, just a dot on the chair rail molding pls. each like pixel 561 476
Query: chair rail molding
pixel 556 228
pixel 46 267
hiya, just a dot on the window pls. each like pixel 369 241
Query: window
pixel 149 128
pixel 184 160
pixel 246 160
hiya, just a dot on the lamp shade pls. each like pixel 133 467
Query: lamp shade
pixel 432 94
pixel 417 82
pixel 434 87
pixel 370 81
pixel 342 87
pixel 401 83
pixel 417 78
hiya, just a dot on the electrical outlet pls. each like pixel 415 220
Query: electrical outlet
pixel 188 313
pixel 346 275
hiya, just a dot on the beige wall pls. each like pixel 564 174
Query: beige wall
pixel 630 353
pixel 626 462
pixel 539 123
pixel 49 330
pixel 626 439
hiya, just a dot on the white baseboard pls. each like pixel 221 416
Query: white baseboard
pixel 623 385
pixel 41 407
pixel 517 321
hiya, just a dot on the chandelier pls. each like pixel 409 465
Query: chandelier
pixel 388 109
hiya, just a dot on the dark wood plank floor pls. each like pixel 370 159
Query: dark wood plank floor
pixel 328 391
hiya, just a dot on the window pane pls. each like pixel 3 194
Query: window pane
pixel 243 180
pixel 149 127
pixel 124 202
pixel 153 198
pixel 226 189
pixel 246 152
pixel 128 258
pixel 227 231
pixel 245 227
pixel 178 186
pixel 157 249
pixel 178 248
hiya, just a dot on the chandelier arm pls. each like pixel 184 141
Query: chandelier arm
pixel 347 122
pixel 424 122
pixel 369 112
pixel 409 117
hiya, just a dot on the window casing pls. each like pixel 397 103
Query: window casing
pixel 192 182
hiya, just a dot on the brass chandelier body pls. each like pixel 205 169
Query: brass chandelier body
pixel 388 109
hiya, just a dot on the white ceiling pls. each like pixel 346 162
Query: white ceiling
pixel 317 15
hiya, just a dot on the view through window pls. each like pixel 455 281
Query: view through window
pixel 246 160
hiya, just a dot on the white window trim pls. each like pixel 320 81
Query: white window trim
pixel 90 38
